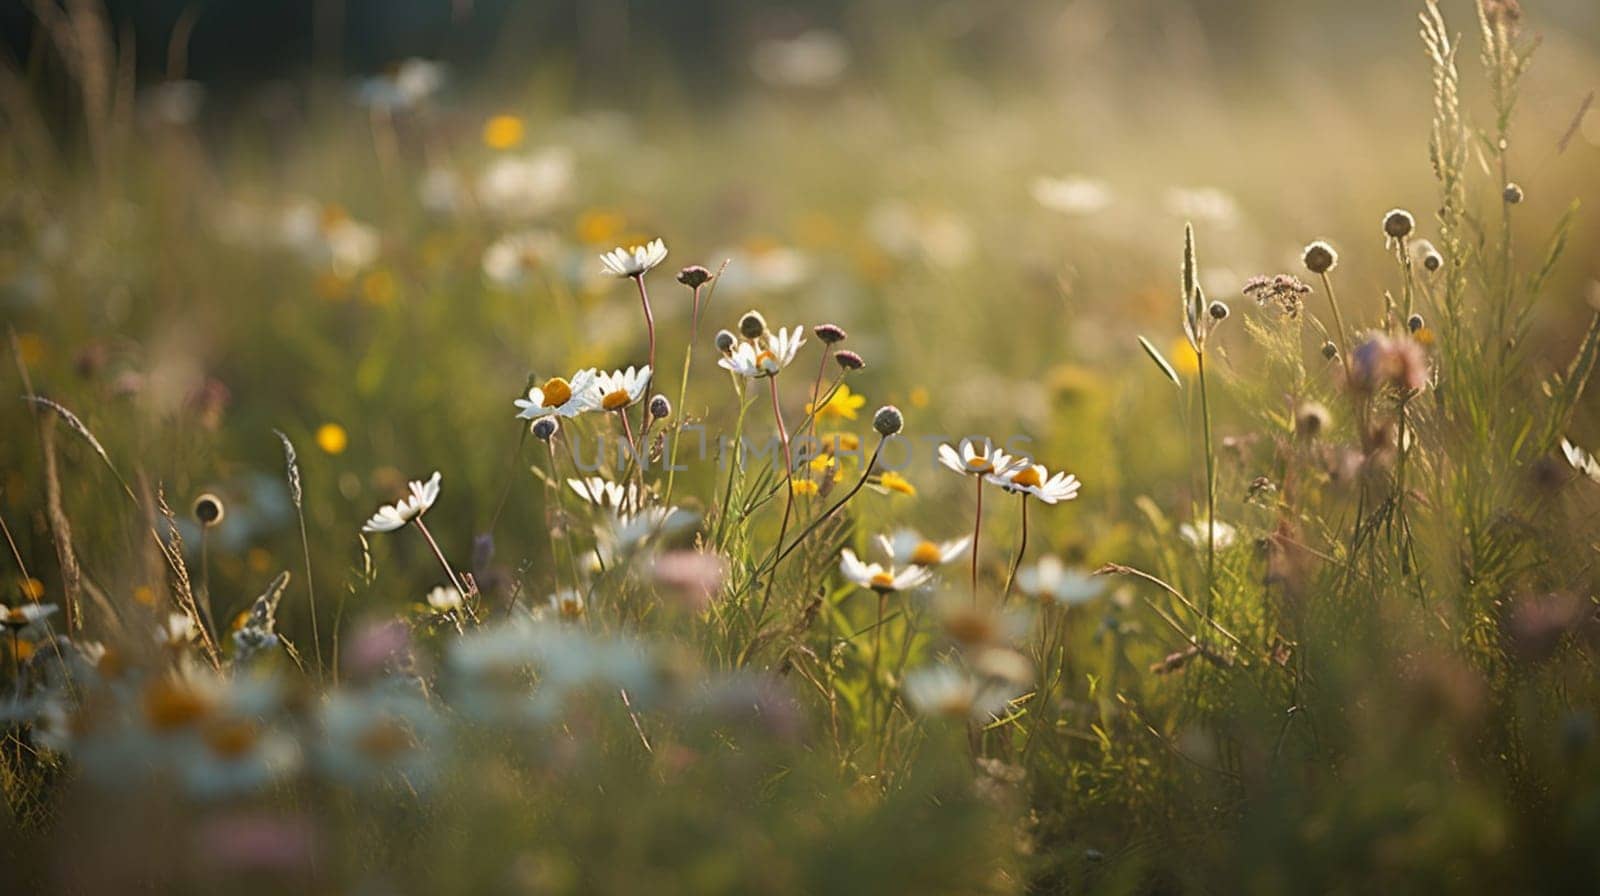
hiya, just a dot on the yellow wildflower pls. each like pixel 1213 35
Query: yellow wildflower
pixel 842 404
pixel 503 132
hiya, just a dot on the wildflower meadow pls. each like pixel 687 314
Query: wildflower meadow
pixel 962 447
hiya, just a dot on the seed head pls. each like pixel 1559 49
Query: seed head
pixel 1329 350
pixel 1414 323
pixel 849 360
pixel 1512 194
pixel 1310 419
pixel 1398 224
pixel 725 341
pixel 1218 311
pixel 1284 290
pixel 1320 258
pixel 545 428
pixel 660 407
pixel 1424 251
pixel 829 333
pixel 752 325
pixel 888 420
pixel 694 276
pixel 209 511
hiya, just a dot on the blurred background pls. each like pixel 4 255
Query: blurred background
pixel 367 224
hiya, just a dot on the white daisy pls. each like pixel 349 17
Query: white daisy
pixel 619 389
pixel 907 547
pixel 509 260
pixel 604 493
pixel 567 603
pixel 1034 479
pixel 635 261
pixel 878 578
pixel 1581 460
pixel 765 356
pixel 25 616
pixel 522 187
pixel 954 693
pixel 626 531
pixel 394 516
pixel 983 460
pixel 1050 578
pixel 1195 533
pixel 444 599
pixel 178 630
pixel 1071 195
pixel 563 398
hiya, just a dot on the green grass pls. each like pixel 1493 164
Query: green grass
pixel 1384 682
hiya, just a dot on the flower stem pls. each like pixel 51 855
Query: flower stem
pixel 1211 484
pixel 977 529
pixel 683 392
pixel 788 478
pixel 812 527
pixel 649 323
pixel 1022 548
pixel 454 580
pixel 1338 323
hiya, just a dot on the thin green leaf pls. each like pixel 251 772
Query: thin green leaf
pixel 1161 362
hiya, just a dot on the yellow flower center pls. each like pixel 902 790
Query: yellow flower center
pixel 979 464
pixel 556 392
pixel 168 706
pixel 970 628
pixel 615 400
pixel 766 360
pixel 927 554
pixel 1026 477
pixel 571 607
pixel 385 739
pixel 882 582
pixel 231 739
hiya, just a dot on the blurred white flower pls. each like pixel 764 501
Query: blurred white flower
pixel 369 736
pixel 934 236
pixel 441 191
pixel 179 630
pixel 624 532
pixel 763 269
pixel 604 493
pixel 811 59
pixel 634 261
pixel 568 603
pixel 1050 578
pixel 1581 460
pixel 1207 204
pixel 444 599
pixel 510 259
pixel 394 516
pixel 406 85
pixel 954 693
pixel 25 617
pixel 1077 196
pixel 908 547
pixel 526 186
pixel 1196 533
pixel 352 246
